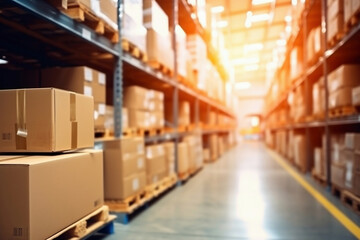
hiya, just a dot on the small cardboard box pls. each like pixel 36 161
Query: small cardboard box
pixel 45 120
pixel 42 195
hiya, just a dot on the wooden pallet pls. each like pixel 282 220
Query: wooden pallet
pixel 160 67
pixel 148 132
pixel 342 111
pixel 351 200
pixel 154 190
pixel 130 204
pixel 86 226
pixel 131 48
pixel 80 12
pixel 336 190
pixel 320 179
pixel 100 132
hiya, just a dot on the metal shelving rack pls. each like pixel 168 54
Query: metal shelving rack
pixel 330 59
pixel 62 41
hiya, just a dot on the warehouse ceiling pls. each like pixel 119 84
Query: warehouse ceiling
pixel 253 30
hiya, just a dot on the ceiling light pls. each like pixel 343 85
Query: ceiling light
pixel 259 2
pixel 3 61
pixel 217 9
pixel 288 29
pixel 252 67
pixel 242 85
pixel 221 24
pixel 253 47
pixel 260 17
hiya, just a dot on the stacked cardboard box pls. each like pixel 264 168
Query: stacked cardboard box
pixel 297 102
pixel 184 117
pixel 281 142
pixel 213 147
pixel 195 152
pixel 47 120
pixel 156 165
pixel 109 118
pixel 318 98
pixel 341 81
pixel 82 80
pixel 145 107
pixel 206 154
pixel 296 67
pixel 182 54
pixel 300 152
pixel 124 167
pixel 351 161
pixel 314 45
pixel 198 56
pixel 335 13
pixel 170 157
pixel 183 158
pixel 337 160
pixel 158 39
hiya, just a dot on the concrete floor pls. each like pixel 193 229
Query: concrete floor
pixel 245 195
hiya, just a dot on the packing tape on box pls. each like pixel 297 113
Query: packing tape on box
pixel 74 124
pixel 20 126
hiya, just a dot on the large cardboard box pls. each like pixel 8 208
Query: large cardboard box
pixel 335 8
pixel 156 165
pixel 158 48
pixel 134 8
pixel 45 120
pixel 340 98
pixel 183 158
pixel 318 162
pixel 344 76
pixel 134 32
pixel 41 195
pixel 109 118
pixel 139 118
pixel 183 113
pixel 352 141
pixel 169 148
pixel 154 17
pixel 318 97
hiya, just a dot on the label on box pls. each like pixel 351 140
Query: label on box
pixel 140 163
pixel 102 109
pixel 88 74
pixel 149 153
pixel 135 184
pixel 88 91
pixel 102 79
pixel 96 114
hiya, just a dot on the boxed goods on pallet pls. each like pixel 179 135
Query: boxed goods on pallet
pixel 269 138
pixel 156 167
pixel 195 151
pixel 314 44
pixel 213 146
pixel 337 145
pixel 318 98
pixel 296 67
pixel 300 151
pixel 281 142
pixel 182 53
pixel 350 9
pixel 53 191
pixel 169 148
pixel 145 107
pixel 183 113
pixel 297 102
pixel 183 158
pixel 197 53
pixel 344 76
pixel 350 160
pixel 340 98
pixel 319 166
pixel 124 167
pixel 335 13
pixel 338 175
pixel 109 118
pixel 206 154
pixel 158 39
pixel 45 120
pixel 82 80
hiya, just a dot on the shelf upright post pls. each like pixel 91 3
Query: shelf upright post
pixel 307 92
pixel 118 77
pixel 175 9
pixel 324 28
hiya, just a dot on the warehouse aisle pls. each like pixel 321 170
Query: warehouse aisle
pixel 245 195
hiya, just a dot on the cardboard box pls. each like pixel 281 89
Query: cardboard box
pixel 335 8
pixel 45 120
pixel 183 113
pixel 356 188
pixel 335 26
pixel 134 8
pixel 139 118
pixel 156 165
pixel 158 48
pixel 183 158
pixel 35 190
pixel 356 96
pixel 109 118
pixel 340 98
pixel 154 17
pixel 318 162
pixel 344 76
pixel 119 188
pixel 214 147
pixel 318 98
pixel 136 98
pixel 109 9
pixel 348 11
pixel 126 145
pixel 206 154
pixel 352 141
pixel 300 152
pixel 82 80
pixel 338 175
pixel 133 31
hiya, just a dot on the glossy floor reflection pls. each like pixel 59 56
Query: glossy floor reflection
pixel 245 195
